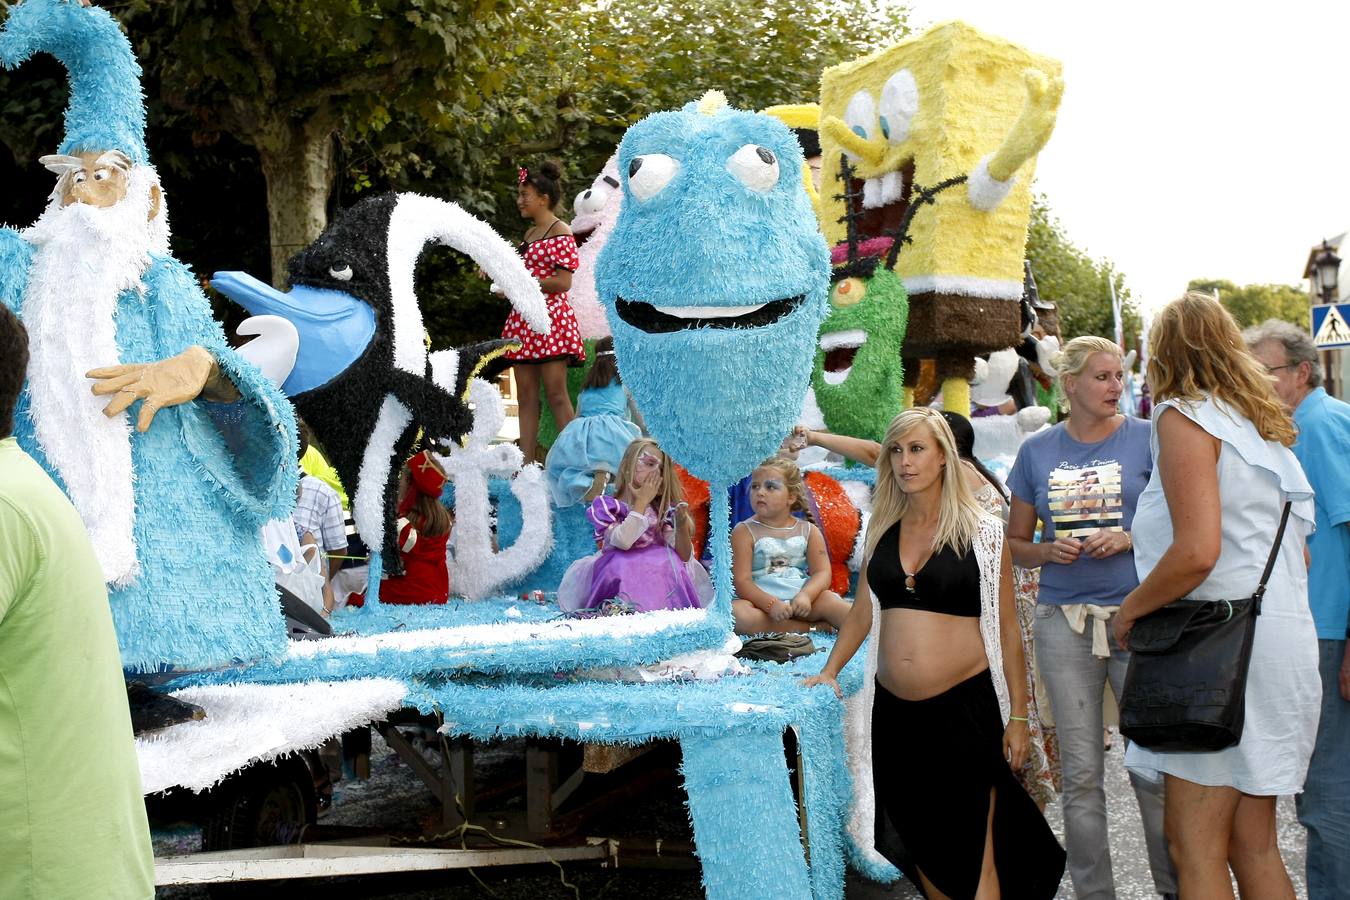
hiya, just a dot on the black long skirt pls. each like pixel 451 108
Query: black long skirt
pixel 936 761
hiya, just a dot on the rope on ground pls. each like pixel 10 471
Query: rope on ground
pixel 462 831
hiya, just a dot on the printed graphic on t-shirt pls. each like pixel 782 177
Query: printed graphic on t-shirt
pixel 1086 500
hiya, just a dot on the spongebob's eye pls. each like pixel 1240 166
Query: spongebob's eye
pixel 649 173
pixel 861 115
pixel 754 166
pixel 899 103
pixel 341 272
pixel 101 174
pixel 591 201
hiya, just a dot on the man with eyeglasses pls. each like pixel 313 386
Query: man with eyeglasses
pixel 1291 358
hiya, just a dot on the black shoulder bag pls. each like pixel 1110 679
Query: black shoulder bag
pixel 1186 688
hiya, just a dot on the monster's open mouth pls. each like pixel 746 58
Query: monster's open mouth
pixel 840 348
pixel 665 319
pixel 879 203
pixel 581 237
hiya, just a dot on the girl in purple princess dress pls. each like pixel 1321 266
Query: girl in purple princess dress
pixel 644 532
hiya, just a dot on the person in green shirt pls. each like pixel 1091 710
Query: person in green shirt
pixel 72 817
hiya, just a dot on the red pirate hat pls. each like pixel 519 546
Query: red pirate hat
pixel 425 477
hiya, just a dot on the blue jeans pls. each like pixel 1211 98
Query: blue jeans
pixel 1324 805
pixel 1075 681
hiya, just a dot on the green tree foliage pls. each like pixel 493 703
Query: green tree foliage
pixel 1077 284
pixel 285 76
pixel 1254 303
pixel 266 115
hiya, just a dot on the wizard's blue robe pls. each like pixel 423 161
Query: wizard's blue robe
pixel 208 476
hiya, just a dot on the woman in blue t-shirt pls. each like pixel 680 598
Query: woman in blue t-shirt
pixel 1081 480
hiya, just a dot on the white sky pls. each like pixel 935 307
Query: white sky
pixel 1195 139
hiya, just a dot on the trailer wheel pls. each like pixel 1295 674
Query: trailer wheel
pixel 264 805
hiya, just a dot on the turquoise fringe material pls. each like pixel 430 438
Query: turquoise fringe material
pixel 107 108
pixel 731 732
pixel 208 476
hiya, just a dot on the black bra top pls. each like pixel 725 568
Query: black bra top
pixel 947 583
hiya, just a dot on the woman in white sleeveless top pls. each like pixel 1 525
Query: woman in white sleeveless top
pixel 1204 528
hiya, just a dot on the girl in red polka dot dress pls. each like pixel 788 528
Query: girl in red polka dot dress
pixel 550 254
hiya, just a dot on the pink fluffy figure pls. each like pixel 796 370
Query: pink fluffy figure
pixel 596 209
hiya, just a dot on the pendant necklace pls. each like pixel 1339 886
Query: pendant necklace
pixel 774 527
pixel 910 577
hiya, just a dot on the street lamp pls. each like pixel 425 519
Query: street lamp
pixel 1327 266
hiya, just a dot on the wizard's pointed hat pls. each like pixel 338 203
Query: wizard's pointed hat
pixel 107 108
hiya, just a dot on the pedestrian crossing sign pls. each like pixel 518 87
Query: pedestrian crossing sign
pixel 1329 326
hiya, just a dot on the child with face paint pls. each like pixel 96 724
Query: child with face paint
pixel 644 532
pixel 780 567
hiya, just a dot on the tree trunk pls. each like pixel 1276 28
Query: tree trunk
pixel 298 163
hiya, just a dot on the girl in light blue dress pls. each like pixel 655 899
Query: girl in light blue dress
pixel 780 567
pixel 584 458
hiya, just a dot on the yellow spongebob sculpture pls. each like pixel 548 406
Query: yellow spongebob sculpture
pixel 957 107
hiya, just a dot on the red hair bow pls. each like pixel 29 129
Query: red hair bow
pixel 523 175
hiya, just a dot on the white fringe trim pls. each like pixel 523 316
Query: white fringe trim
pixel 415 221
pixel 964 286
pixel 476 570
pixel 377 466
pixel 104 252
pixel 858 742
pixel 504 634
pixel 248 723
pixel 984 192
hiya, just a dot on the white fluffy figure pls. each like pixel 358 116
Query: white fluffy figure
pixel 105 251
pixel 597 209
pixel 998 437
pixel 476 569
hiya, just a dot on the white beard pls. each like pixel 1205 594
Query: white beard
pixel 85 257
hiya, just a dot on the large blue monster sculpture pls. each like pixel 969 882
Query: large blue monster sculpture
pixel 714 281
pixel 174 504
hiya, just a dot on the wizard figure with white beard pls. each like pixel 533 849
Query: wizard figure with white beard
pixel 173 449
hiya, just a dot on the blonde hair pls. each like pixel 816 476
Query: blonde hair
pixel 795 484
pixel 959 513
pixel 671 491
pixel 1198 351
pixel 1073 358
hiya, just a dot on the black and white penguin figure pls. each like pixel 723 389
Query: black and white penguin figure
pixel 361 376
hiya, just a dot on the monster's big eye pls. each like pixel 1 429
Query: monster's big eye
pixel 341 272
pixel 899 103
pixel 861 115
pixel 649 173
pixel 848 292
pixel 591 200
pixel 754 166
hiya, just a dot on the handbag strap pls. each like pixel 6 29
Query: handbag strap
pixel 1270 561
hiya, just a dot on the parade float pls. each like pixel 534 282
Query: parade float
pixel 711 274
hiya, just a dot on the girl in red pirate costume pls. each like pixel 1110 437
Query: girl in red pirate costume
pixel 424 526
